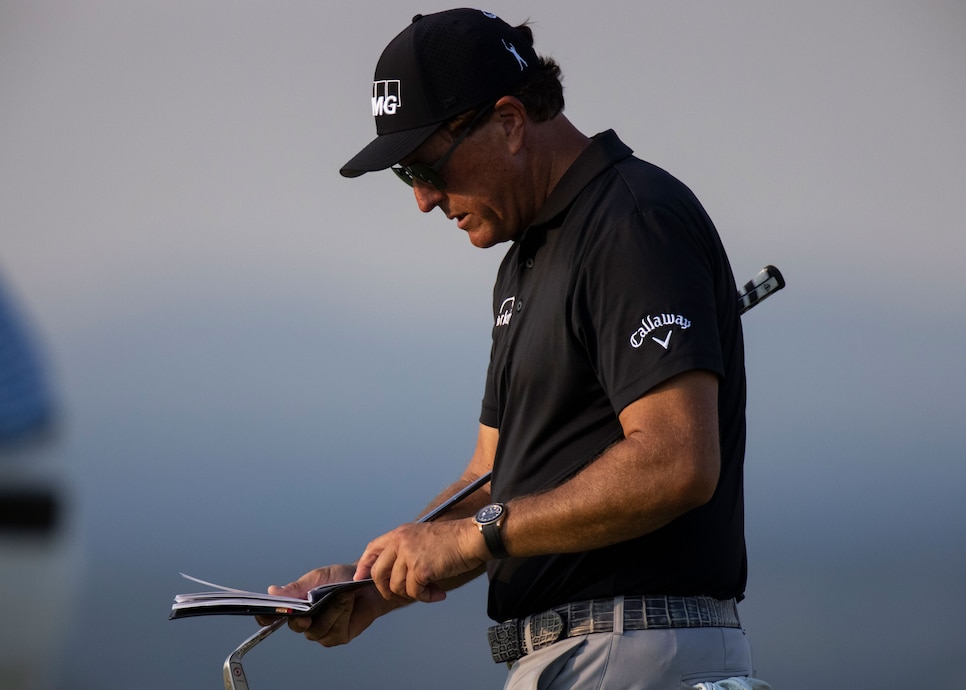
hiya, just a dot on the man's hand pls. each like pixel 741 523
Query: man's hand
pixel 421 561
pixel 345 616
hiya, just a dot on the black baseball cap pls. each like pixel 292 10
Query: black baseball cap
pixel 439 66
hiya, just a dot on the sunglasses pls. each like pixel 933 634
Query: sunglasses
pixel 430 174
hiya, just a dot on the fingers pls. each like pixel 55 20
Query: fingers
pixel 403 564
pixel 432 594
pixel 299 624
pixel 292 589
pixel 411 563
pixel 377 563
pixel 300 589
pixel 330 627
pixel 388 570
pixel 265 620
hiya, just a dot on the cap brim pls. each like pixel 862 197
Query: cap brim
pixel 386 150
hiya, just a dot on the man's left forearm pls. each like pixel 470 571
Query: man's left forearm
pixel 667 464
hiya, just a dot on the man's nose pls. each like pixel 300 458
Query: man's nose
pixel 427 196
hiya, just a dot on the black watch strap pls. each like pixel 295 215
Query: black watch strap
pixel 494 540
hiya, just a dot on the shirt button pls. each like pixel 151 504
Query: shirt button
pixel 519 305
pixel 529 263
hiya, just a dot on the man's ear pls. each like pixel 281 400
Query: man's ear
pixel 513 120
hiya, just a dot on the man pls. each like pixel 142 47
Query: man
pixel 37 550
pixel 613 411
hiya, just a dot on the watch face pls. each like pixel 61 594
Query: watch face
pixel 489 513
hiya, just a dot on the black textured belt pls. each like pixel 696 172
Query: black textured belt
pixel 516 638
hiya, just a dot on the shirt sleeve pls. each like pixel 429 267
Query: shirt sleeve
pixel 644 304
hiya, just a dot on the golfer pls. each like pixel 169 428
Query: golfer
pixel 613 408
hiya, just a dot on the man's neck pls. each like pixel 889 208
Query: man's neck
pixel 562 143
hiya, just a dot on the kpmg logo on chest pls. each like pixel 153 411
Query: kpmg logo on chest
pixel 506 312
pixel 386 98
pixel 651 323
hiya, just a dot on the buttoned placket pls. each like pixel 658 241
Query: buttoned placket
pixel 526 264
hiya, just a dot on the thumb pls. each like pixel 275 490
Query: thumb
pixel 293 589
pixel 363 570
pixel 432 594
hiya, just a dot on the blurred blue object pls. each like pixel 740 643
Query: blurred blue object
pixel 26 404
pixel 38 552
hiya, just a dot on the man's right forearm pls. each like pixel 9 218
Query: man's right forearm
pixel 465 507
pixel 480 464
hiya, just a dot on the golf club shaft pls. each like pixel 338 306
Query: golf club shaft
pixel 455 498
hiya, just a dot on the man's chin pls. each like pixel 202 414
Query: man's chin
pixel 483 238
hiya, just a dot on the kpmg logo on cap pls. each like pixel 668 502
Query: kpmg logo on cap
pixel 385 97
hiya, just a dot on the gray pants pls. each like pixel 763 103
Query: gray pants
pixel 670 659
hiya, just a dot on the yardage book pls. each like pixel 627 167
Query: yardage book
pixel 226 601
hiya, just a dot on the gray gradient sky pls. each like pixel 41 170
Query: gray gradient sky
pixel 263 365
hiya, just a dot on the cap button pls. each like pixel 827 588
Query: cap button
pixel 417 18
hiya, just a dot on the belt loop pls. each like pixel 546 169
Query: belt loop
pixel 619 614
pixel 528 634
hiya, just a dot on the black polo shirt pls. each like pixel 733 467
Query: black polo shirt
pixel 620 283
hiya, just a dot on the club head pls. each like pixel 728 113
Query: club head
pixel 234 673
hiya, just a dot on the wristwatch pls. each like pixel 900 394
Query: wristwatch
pixel 490 519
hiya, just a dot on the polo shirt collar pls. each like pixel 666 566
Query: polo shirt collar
pixel 605 150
